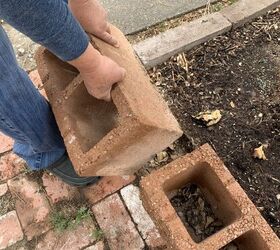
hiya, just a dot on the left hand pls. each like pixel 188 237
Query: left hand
pixel 93 18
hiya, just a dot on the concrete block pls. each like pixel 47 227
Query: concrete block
pixel 243 224
pixel 244 11
pixel 158 49
pixel 108 138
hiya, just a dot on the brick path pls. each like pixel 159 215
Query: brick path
pixel 117 211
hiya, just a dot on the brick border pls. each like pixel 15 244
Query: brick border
pixel 158 49
pixel 243 223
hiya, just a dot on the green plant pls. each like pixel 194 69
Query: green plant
pixel 62 221
pixel 97 234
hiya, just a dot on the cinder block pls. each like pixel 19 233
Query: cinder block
pixel 108 138
pixel 244 11
pixel 158 49
pixel 243 224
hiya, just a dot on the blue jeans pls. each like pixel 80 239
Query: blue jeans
pixel 25 115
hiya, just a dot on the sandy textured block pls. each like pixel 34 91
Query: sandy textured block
pixel 243 224
pixel 6 143
pixel 108 138
pixel 158 49
pixel 244 11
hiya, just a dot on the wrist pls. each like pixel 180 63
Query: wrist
pixel 88 61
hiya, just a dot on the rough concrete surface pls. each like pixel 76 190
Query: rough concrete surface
pixel 133 15
pixel 157 49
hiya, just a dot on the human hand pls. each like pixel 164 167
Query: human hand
pixel 93 18
pixel 99 73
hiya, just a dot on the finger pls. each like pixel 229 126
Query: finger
pixel 108 29
pixel 108 38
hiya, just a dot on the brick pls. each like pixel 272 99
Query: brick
pixel 160 48
pixel 36 79
pixel 10 230
pixel 244 11
pixel 6 143
pixel 244 224
pixel 106 186
pixel 71 239
pixel 57 190
pixel 10 166
pixel 3 189
pixel 147 228
pixel 32 206
pixel 108 139
pixel 116 224
pixel 97 246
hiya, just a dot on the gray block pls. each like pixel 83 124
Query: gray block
pixel 134 15
pixel 158 49
pixel 245 10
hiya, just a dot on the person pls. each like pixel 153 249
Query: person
pixel 25 115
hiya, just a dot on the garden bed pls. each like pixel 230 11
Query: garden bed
pixel 238 74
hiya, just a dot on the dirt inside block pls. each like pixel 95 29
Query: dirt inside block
pixel 247 241
pixel 238 74
pixel 196 213
pixel 92 118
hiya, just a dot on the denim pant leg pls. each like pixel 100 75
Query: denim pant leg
pixel 25 115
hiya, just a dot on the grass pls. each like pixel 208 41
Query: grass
pixel 62 221
pixel 97 234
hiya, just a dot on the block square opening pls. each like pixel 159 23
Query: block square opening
pixel 248 241
pixel 201 201
pixel 91 119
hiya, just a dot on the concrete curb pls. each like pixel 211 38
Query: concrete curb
pixel 158 49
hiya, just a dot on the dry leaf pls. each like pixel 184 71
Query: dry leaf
pixel 259 152
pixel 162 157
pixel 209 117
pixel 183 62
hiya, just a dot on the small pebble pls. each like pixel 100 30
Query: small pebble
pixel 21 51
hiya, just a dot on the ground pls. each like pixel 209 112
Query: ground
pixel 238 74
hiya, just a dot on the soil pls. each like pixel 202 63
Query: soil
pixel 238 74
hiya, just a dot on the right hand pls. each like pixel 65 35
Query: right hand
pixel 99 72
pixel 100 80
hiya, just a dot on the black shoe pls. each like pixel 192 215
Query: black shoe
pixel 64 169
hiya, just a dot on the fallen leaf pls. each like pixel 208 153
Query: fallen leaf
pixel 259 152
pixel 209 117
pixel 162 157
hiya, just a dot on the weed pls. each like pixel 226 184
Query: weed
pixel 97 234
pixel 62 221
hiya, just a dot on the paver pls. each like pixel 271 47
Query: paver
pixel 244 11
pixel 116 224
pixel 145 225
pixel 32 206
pixel 140 15
pixel 97 246
pixel 244 225
pixel 72 239
pixel 108 138
pixel 158 49
pixel 6 143
pixel 3 189
pixel 57 190
pixel 10 166
pixel 106 186
pixel 36 79
pixel 10 230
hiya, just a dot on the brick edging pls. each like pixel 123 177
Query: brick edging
pixel 155 50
